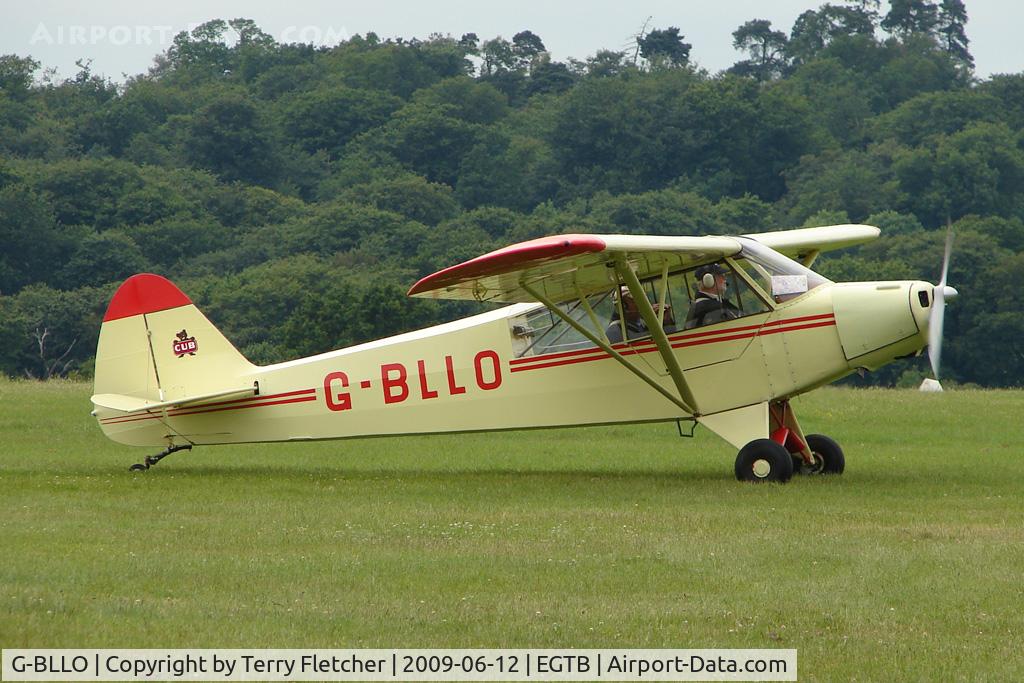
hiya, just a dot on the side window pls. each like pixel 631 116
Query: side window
pixel 718 295
pixel 541 332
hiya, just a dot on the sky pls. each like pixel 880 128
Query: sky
pixel 122 38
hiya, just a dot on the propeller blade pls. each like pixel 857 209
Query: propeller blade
pixel 937 318
pixel 945 258
pixel 935 321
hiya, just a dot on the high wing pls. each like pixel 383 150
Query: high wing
pixel 804 244
pixel 564 267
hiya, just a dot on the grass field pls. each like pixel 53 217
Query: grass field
pixel 908 567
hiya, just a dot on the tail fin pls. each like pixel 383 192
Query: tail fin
pixel 155 347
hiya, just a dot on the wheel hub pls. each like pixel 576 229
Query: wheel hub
pixel 761 468
pixel 816 467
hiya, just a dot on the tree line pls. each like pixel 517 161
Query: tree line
pixel 295 192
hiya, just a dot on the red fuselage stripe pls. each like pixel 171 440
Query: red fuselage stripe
pixel 585 355
pixel 672 338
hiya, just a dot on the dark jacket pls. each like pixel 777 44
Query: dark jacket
pixel 708 309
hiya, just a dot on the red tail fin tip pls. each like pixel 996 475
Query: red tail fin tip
pixel 144 293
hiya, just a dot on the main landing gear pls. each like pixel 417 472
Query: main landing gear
pixel 764 460
pixel 788 452
pixel 827 457
pixel 154 459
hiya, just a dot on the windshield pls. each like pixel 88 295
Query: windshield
pixel 778 275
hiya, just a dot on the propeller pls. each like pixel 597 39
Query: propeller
pixel 940 293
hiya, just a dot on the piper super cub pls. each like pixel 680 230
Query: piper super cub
pixel 718 331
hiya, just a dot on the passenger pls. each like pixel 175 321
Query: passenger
pixel 635 326
pixel 710 305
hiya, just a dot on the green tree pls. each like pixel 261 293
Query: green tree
pixel 461 239
pixel 767 49
pixel 814 30
pixel 915 66
pixel 1008 89
pixel 498 56
pixel 87 191
pixel 32 245
pixel 928 115
pixel 102 258
pixel 250 306
pixel 338 226
pixel 515 172
pixel 664 48
pixel 616 134
pixel 202 50
pixel 470 100
pixel 911 16
pixel 327 119
pixel 549 77
pixel 249 34
pixel 894 223
pixel 855 182
pixel 112 127
pixel 429 139
pixel 527 47
pixel 409 195
pixel 843 101
pixel 398 69
pixel 606 63
pixel 660 212
pixel 16 76
pixel 979 170
pixel 952 22
pixel 48 333
pixel 351 313
pixel 230 138
pixel 501 68
pixel 1007 232
pixel 171 241
pixel 988 348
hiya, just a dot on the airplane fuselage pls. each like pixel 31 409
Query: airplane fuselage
pixel 477 373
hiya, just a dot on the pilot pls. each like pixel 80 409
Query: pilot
pixel 710 305
pixel 635 326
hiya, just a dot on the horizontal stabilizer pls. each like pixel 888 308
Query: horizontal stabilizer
pixel 132 404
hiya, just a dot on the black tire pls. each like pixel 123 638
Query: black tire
pixel 828 457
pixel 764 460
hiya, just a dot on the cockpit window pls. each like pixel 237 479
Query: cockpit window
pixel 778 275
pixel 719 294
pixel 687 299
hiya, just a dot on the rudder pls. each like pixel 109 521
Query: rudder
pixel 156 346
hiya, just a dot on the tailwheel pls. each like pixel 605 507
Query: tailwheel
pixel 764 460
pixel 151 460
pixel 828 457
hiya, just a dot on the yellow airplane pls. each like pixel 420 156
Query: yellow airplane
pixel 602 329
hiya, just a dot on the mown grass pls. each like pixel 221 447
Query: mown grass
pixel 908 567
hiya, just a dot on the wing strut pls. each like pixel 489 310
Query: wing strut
pixel 606 347
pixel 651 319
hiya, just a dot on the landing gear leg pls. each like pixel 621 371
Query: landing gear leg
pixel 154 459
pixel 828 456
pixel 813 453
